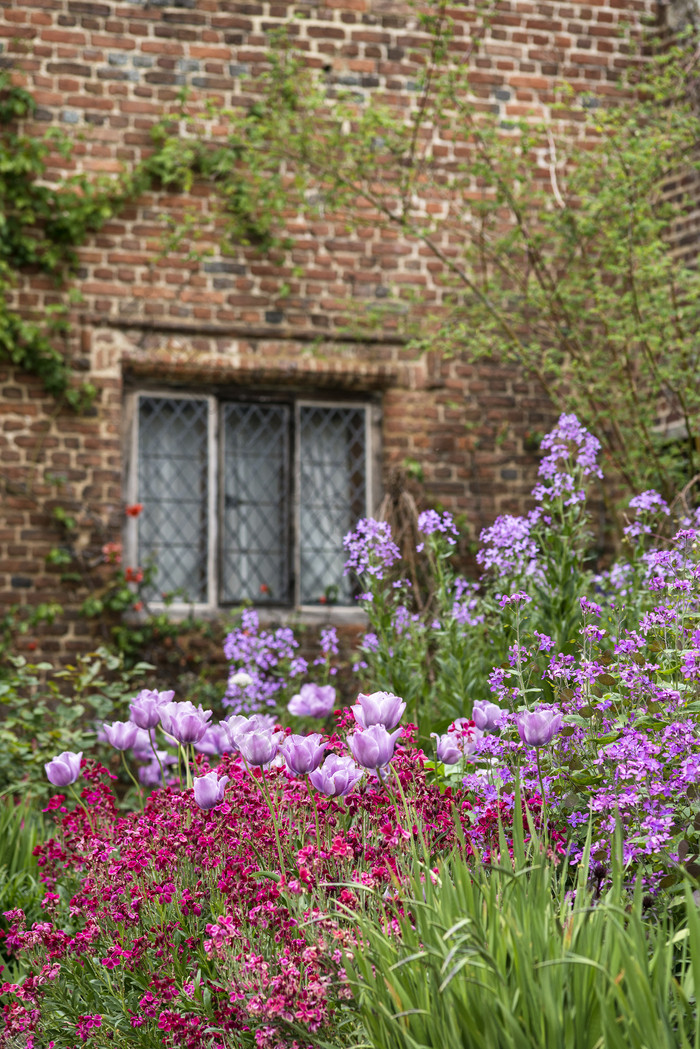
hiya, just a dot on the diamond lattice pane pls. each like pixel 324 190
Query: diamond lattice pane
pixel 332 496
pixel 172 485
pixel 255 516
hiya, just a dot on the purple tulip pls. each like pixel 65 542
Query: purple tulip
pixel 312 701
pixel 449 751
pixel 303 754
pixel 373 748
pixel 379 708
pixel 121 734
pixel 63 770
pixel 539 727
pixel 257 746
pixel 185 722
pixel 145 709
pixel 336 777
pixel 486 715
pixel 237 724
pixel 215 741
pixel 209 790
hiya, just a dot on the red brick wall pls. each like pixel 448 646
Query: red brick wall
pixel 105 71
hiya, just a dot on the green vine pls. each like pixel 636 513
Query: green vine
pixel 42 224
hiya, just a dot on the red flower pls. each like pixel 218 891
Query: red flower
pixel 133 575
pixel 264 588
pixel 322 599
pixel 138 606
pixel 134 510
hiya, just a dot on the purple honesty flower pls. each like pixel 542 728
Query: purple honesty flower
pixel 374 747
pixel 303 754
pixel 486 715
pixel 258 746
pixel 430 521
pixel 121 734
pixel 336 777
pixel 209 790
pixel 370 548
pixel 379 708
pixel 537 728
pixel 65 769
pixel 312 701
pixel 572 457
pixel 508 547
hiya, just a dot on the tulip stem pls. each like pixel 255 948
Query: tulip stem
pixel 133 780
pixel 312 795
pixel 266 795
pixel 544 800
pixel 155 754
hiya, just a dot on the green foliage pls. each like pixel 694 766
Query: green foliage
pixel 515 956
pixel 21 830
pixel 40 718
pixel 564 227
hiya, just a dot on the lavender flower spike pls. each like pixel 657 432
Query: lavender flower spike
pixel 538 727
pixel 373 748
pixel 336 777
pixel 303 754
pixel 312 701
pixel 379 708
pixel 65 769
pixel 121 734
pixel 209 790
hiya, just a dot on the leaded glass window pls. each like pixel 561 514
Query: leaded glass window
pixel 248 499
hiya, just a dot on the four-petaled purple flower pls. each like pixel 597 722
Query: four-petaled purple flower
pixel 312 701
pixel 64 769
pixel 538 727
pixel 209 790
pixel 336 777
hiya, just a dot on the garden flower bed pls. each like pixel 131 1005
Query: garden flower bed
pixel 259 885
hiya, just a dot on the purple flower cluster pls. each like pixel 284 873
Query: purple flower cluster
pixel 572 458
pixel 508 548
pixel 265 657
pixel 431 522
pixel 370 548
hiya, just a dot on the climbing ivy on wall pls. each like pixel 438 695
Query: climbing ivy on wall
pixel 43 223
pixel 41 226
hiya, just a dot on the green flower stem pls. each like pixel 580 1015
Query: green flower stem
pixel 83 807
pixel 266 794
pixel 133 780
pixel 155 754
pixel 312 795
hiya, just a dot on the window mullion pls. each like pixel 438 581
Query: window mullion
pixel 213 465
